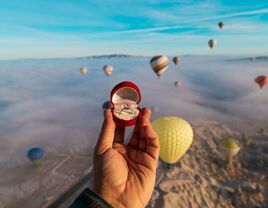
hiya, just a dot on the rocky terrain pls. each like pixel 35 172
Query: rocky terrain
pixel 26 185
pixel 202 178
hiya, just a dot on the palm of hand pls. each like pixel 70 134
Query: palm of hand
pixel 124 175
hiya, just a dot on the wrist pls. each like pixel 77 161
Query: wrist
pixel 114 202
pixel 89 198
pixel 109 196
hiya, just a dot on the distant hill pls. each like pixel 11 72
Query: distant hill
pixel 112 56
pixel 253 58
pixel 259 58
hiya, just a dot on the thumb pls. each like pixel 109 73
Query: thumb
pixel 106 136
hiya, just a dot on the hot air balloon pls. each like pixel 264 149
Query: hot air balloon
pixel 154 109
pixel 177 83
pixel 175 136
pixel 221 24
pixel 229 148
pixel 106 105
pixel 159 64
pixel 253 59
pixel 176 60
pixel 212 43
pixel 83 70
pixel 108 69
pixel 35 154
pixel 261 80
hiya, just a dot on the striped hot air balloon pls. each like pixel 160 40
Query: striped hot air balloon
pixel 212 43
pixel 220 24
pixel 108 69
pixel 176 60
pixel 177 83
pixel 261 80
pixel 159 64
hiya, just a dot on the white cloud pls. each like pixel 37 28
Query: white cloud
pixel 188 21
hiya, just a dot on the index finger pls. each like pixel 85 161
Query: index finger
pixel 119 134
pixel 145 118
pixel 147 133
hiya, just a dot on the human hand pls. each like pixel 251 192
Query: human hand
pixel 124 175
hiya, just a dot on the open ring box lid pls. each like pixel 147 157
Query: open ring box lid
pixel 125 98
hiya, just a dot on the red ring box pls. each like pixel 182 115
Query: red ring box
pixel 125 94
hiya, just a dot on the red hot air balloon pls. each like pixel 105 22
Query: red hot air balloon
pixel 261 80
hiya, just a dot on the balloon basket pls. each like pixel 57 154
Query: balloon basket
pixel 36 163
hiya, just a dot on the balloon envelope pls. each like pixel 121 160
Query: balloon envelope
pixel 83 70
pixel 176 60
pixel 106 105
pixel 229 147
pixel 154 109
pixel 220 24
pixel 175 136
pixel 108 69
pixel 212 43
pixel 35 154
pixel 159 64
pixel 177 83
pixel 261 80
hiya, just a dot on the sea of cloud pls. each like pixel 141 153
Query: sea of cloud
pixel 48 103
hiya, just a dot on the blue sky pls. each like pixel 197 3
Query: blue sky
pixel 71 28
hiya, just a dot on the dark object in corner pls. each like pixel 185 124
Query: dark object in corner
pixel 89 199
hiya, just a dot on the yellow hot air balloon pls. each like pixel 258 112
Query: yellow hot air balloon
pixel 175 137
pixel 83 70
pixel 229 147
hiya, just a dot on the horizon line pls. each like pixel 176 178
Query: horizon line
pixel 130 55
